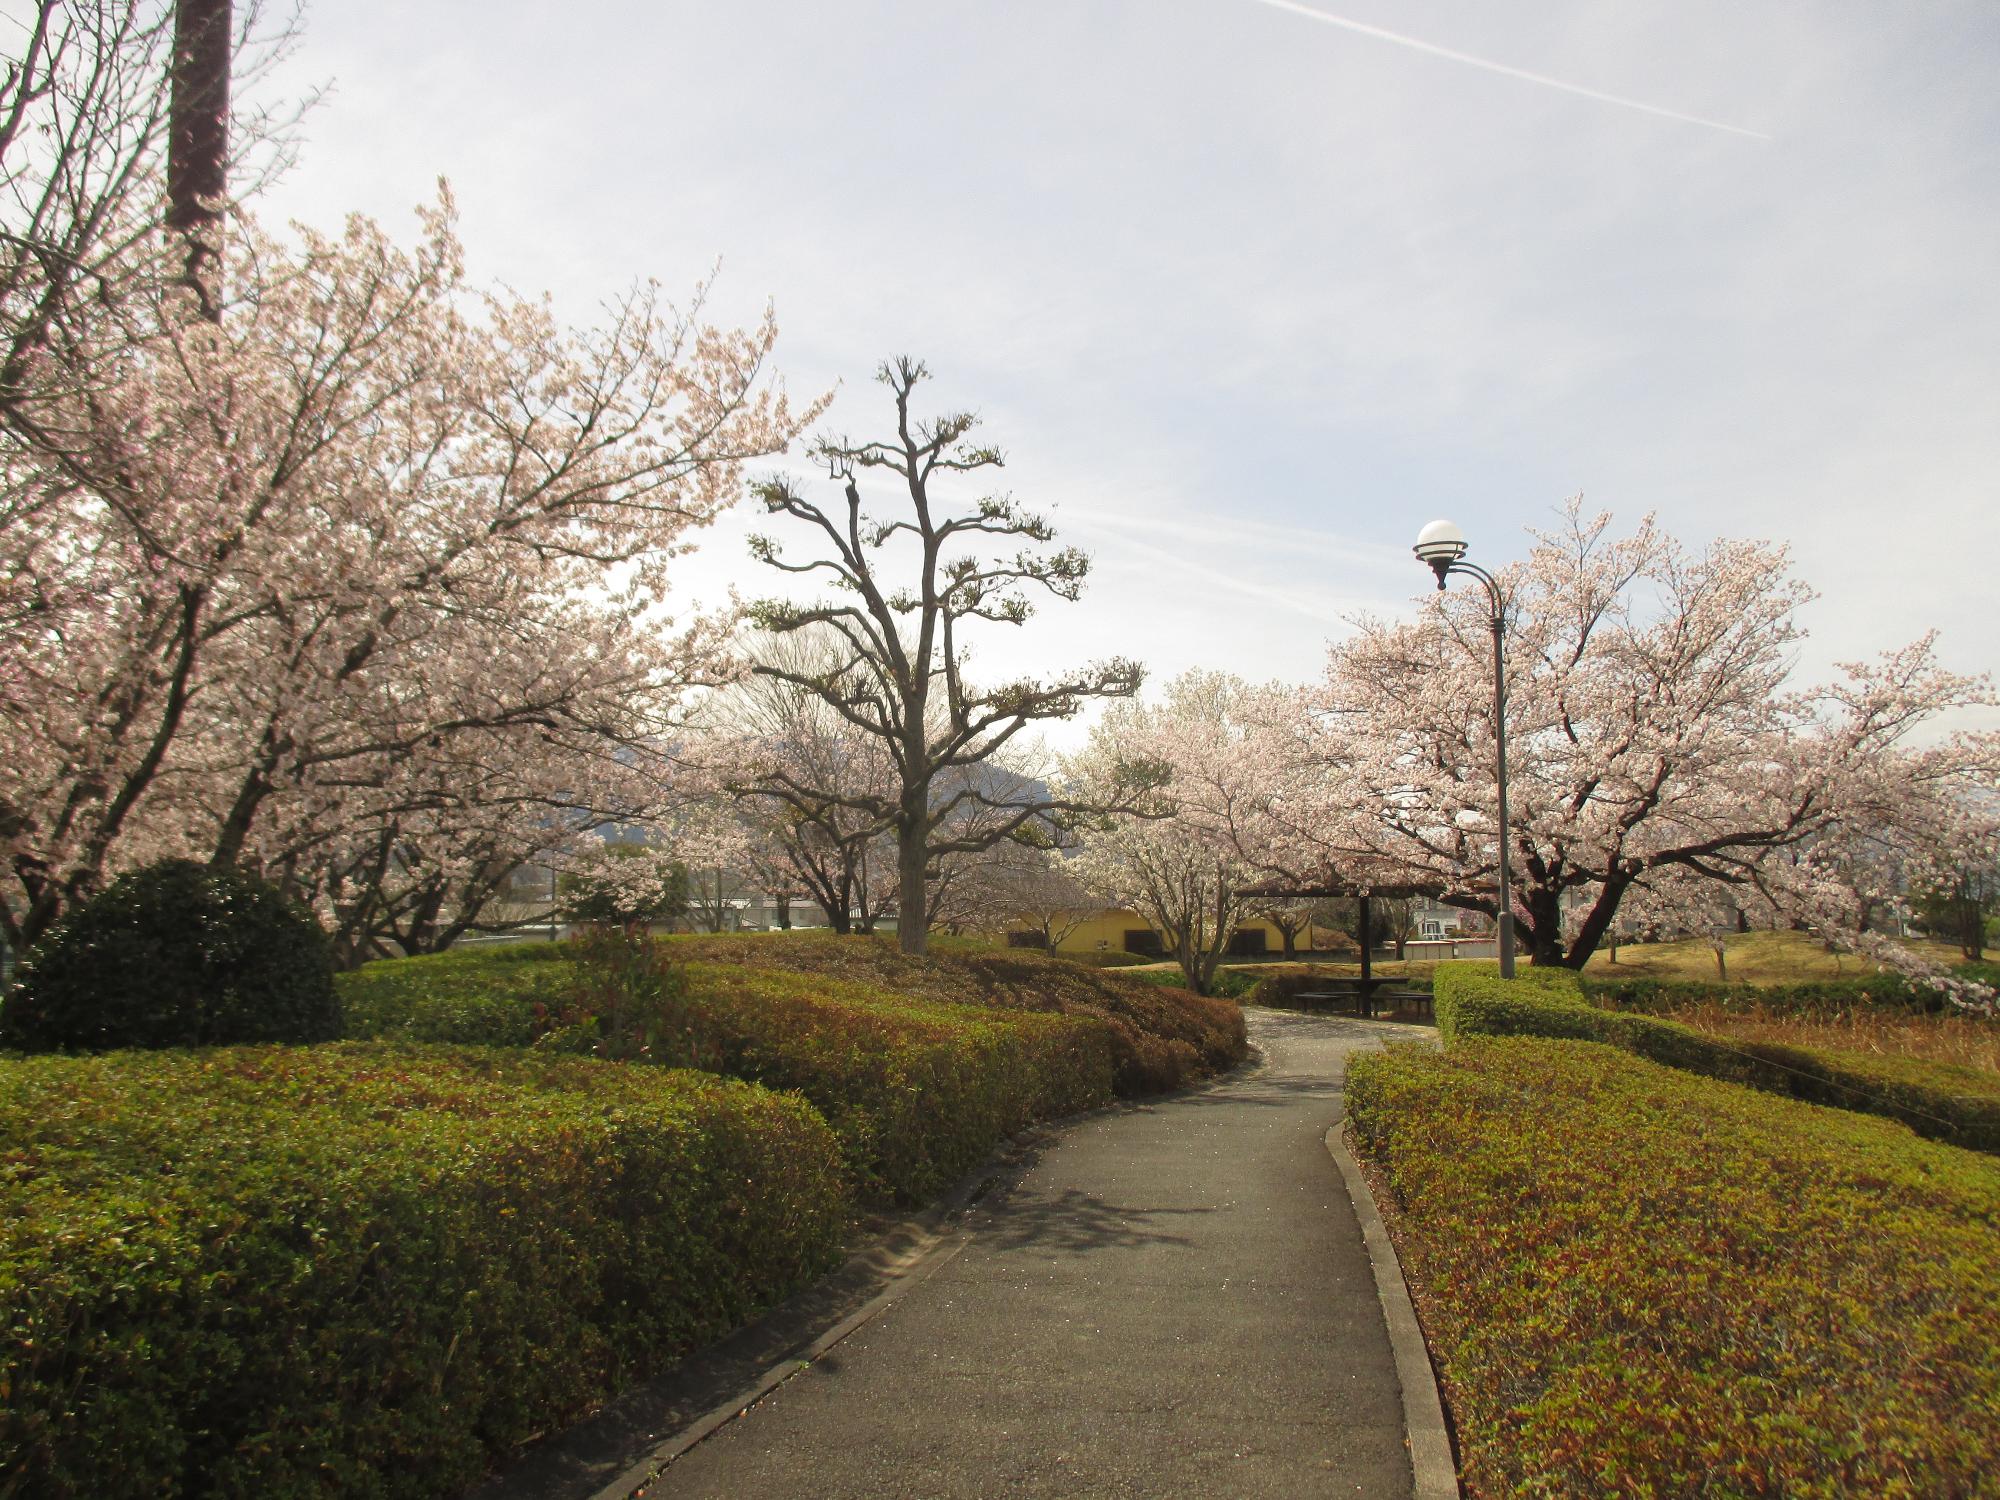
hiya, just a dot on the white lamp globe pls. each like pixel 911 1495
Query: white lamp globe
pixel 1440 542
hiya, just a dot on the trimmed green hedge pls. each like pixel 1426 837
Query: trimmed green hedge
pixel 1817 997
pixel 1951 1104
pixel 917 1090
pixel 500 996
pixel 1109 959
pixel 1162 1035
pixel 1640 1282
pixel 177 954
pixel 1223 984
pixel 358 1269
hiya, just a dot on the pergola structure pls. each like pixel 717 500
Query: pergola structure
pixel 1330 886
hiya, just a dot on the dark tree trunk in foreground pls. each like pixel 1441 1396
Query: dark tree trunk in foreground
pixel 198 141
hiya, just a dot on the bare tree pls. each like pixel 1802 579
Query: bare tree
pixel 900 677
pixel 1290 917
pixel 1034 887
pixel 802 772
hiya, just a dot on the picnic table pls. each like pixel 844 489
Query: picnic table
pixel 1361 993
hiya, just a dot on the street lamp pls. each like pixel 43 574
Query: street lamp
pixel 1442 545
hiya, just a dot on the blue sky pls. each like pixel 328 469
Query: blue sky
pixel 1247 296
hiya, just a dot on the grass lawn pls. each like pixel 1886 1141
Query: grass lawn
pixel 1636 1281
pixel 1958 1041
pixel 1753 958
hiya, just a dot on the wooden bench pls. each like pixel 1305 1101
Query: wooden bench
pixel 1366 999
pixel 1351 997
pixel 1419 1002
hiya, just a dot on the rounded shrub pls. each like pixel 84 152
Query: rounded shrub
pixel 176 955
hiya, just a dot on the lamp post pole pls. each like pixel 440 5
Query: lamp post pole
pixel 1442 546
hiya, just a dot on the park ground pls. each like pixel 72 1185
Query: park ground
pixel 1634 1268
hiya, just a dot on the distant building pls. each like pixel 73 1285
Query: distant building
pixel 1431 921
pixel 1119 930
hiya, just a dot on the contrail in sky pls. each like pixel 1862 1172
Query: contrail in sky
pixel 1501 68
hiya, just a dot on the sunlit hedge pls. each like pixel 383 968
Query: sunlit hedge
pixel 1636 1281
pixel 366 1269
pixel 1935 1099
pixel 1810 997
pixel 920 1065
pixel 1162 1036
pixel 917 1091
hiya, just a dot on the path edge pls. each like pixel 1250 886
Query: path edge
pixel 891 1259
pixel 1434 1473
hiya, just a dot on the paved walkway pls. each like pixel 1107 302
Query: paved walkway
pixel 1173 1299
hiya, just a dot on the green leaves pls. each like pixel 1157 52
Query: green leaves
pixel 1637 1281
pixel 271 1270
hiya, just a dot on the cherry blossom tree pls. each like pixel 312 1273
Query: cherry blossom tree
pixel 1182 867
pixel 367 510
pixel 1037 888
pixel 84 122
pixel 425 849
pixel 711 843
pixel 625 883
pixel 805 777
pixel 908 587
pixel 1653 728
pixel 1290 917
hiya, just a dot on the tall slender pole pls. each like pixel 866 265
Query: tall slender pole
pixel 1440 547
pixel 1506 913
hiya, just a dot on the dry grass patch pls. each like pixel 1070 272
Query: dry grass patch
pixel 1958 1040
pixel 1753 958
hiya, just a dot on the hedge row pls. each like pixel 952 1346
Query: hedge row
pixel 369 1270
pixel 500 996
pixel 1223 984
pixel 916 1090
pixel 1815 997
pixel 1162 1035
pixel 1640 1282
pixel 1958 1105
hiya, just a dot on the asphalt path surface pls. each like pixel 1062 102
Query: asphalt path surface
pixel 1172 1299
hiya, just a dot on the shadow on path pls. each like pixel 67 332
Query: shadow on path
pixel 1075 1222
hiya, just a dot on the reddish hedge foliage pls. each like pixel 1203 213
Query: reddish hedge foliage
pixel 1637 1281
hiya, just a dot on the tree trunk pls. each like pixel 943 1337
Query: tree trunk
pixel 198 141
pixel 1290 940
pixel 912 931
pixel 1190 962
pixel 1971 924
pixel 1544 930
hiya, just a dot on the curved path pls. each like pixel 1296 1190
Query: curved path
pixel 1173 1299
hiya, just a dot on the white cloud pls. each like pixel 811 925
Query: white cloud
pixel 1248 299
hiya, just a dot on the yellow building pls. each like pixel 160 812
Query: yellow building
pixel 1080 934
